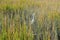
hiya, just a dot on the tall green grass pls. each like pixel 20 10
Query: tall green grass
pixel 13 25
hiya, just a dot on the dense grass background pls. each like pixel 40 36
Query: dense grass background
pixel 15 17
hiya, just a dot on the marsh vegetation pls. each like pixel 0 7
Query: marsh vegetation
pixel 29 20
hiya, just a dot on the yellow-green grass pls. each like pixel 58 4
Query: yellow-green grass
pixel 11 28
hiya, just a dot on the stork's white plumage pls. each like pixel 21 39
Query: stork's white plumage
pixel 32 21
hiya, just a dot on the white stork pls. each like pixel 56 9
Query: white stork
pixel 33 15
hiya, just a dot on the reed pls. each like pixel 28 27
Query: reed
pixel 15 21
